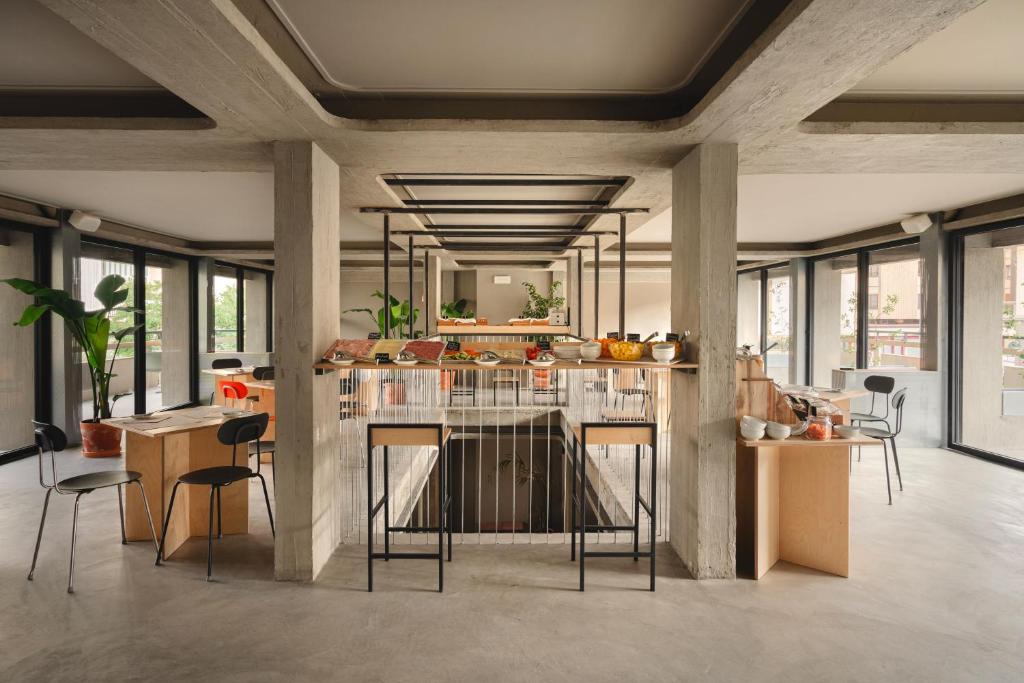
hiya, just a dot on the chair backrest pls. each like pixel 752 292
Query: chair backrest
pixel 225 363
pixel 242 430
pixel 233 389
pixel 263 372
pixel 49 438
pixel 897 403
pixel 879 384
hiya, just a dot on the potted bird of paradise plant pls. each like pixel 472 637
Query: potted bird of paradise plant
pixel 91 330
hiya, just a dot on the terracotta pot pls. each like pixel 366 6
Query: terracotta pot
pixel 100 440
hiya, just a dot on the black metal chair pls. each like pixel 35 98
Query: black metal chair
pixel 889 434
pixel 606 434
pixel 260 374
pixel 408 434
pixel 880 386
pixel 223 364
pixel 51 438
pixel 240 430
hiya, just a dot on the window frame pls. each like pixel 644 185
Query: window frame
pixel 864 270
pixel 239 272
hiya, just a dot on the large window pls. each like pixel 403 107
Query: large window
pixel 988 345
pixel 748 310
pixel 97 262
pixel 226 325
pixel 835 316
pixel 894 307
pixel 239 305
pixel 17 360
pixel 778 324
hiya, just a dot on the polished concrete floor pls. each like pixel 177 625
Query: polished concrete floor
pixel 937 593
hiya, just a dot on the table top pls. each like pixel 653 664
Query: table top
pixel 228 372
pixel 260 384
pixel 176 421
pixel 799 441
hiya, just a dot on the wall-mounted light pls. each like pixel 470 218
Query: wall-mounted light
pixel 86 222
pixel 502 279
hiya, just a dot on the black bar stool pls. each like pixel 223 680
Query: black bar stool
pixel 261 374
pixel 51 438
pixel 408 434
pixel 238 431
pixel 630 433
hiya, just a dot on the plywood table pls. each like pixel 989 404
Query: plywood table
pixel 181 441
pixel 263 391
pixel 226 374
pixel 793 504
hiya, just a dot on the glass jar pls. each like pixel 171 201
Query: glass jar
pixel 819 428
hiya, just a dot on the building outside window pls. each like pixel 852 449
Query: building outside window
pixel 894 307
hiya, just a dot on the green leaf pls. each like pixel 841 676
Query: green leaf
pixel 121 334
pixel 27 286
pixel 107 293
pixel 31 314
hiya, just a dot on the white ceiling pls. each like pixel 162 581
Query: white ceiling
pixel 978 54
pixel 38 49
pixel 800 208
pixel 210 206
pixel 525 46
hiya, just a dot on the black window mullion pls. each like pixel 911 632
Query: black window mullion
pixel 862 309
pixel 240 310
pixel 763 322
pixel 139 338
pixel 269 325
pixel 42 340
pixel 193 328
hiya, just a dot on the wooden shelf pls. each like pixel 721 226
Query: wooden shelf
pixel 555 330
pixel 799 441
pixel 464 365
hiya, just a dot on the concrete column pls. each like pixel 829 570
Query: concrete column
pixel 65 354
pixel 255 313
pixel 798 321
pixel 934 288
pixel 174 343
pixel 703 472
pixel 828 311
pixel 306 257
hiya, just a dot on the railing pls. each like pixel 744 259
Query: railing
pixel 511 474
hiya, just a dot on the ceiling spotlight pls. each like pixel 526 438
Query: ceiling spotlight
pixel 917 223
pixel 86 222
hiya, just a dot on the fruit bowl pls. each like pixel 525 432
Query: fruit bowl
pixel 627 351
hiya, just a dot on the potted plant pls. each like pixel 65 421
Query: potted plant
pixel 538 306
pixel 456 309
pixel 91 330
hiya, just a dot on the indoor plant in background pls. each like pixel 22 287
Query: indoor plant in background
pixel 538 306
pixel 456 309
pixel 400 313
pixel 91 331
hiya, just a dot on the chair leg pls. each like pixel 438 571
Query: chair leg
pixel 583 506
pixel 266 497
pixel 654 503
pixel 39 536
pixel 636 506
pixel 888 486
pixel 896 461
pixel 74 533
pixel 441 478
pixel 120 514
pixel 220 527
pixel 149 516
pixel 448 496
pixel 387 507
pixel 369 512
pixel 572 499
pixel 167 522
pixel 209 537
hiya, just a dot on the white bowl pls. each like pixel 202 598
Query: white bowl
pixel 753 421
pixel 590 351
pixel 663 353
pixel 752 433
pixel 846 431
pixel 566 352
pixel 541 363
pixel 777 431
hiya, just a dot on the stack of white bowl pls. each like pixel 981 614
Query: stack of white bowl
pixel 590 350
pixel 778 431
pixel 752 428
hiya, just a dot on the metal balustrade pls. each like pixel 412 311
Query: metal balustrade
pixel 511 475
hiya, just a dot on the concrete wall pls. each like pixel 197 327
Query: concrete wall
pixel 16 362
pixel 499 303
pixel 648 293
pixel 748 310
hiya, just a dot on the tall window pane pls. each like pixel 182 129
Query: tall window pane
pixel 835 316
pixel 17 361
pixel 992 381
pixel 225 310
pixel 255 314
pixel 779 325
pixel 167 303
pixel 748 310
pixel 894 307
pixel 99 261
